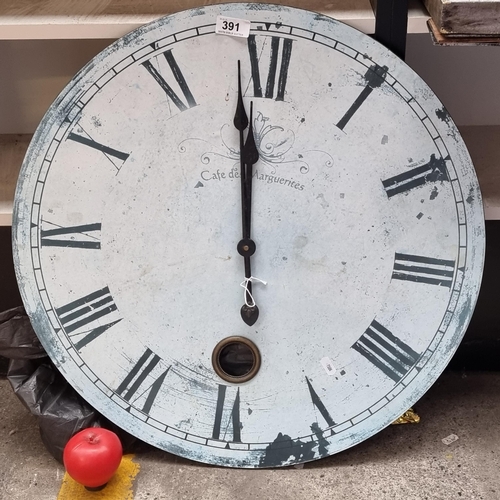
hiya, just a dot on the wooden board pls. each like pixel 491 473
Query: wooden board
pixel 465 17
pixel 69 19
pixel 452 40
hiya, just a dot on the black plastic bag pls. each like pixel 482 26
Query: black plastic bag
pixel 60 411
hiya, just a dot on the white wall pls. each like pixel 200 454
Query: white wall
pixel 32 73
pixel 466 79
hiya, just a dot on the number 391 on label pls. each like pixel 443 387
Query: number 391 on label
pixel 232 26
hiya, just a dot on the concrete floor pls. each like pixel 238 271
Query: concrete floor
pixel 402 462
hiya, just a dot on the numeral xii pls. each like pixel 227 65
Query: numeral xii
pixel 274 89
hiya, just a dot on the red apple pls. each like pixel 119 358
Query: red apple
pixel 92 456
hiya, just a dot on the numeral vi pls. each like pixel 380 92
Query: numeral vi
pixel 233 421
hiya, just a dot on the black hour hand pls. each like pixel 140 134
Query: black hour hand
pixel 246 247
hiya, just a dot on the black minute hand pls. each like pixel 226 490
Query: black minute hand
pixel 248 156
pixel 241 123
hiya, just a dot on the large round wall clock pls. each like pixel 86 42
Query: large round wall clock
pixel 250 249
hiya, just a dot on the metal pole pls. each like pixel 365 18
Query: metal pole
pixel 391 25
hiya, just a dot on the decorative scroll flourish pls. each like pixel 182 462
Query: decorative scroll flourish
pixel 274 143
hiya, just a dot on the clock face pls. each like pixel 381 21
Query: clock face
pixel 366 217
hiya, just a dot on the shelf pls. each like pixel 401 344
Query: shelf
pixel 12 151
pixel 70 19
pixel 483 143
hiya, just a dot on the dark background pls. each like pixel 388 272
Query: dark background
pixel 479 350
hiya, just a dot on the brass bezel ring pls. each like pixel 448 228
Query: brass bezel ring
pixel 231 378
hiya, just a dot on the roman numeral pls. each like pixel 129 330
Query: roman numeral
pixel 82 312
pixel 374 78
pixel 234 420
pixel 117 158
pixel 433 171
pixel 75 236
pixel 179 78
pixel 423 269
pixel 388 353
pixel 133 385
pixel 273 89
pixel 319 404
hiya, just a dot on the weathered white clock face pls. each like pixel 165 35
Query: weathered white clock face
pixel 366 216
